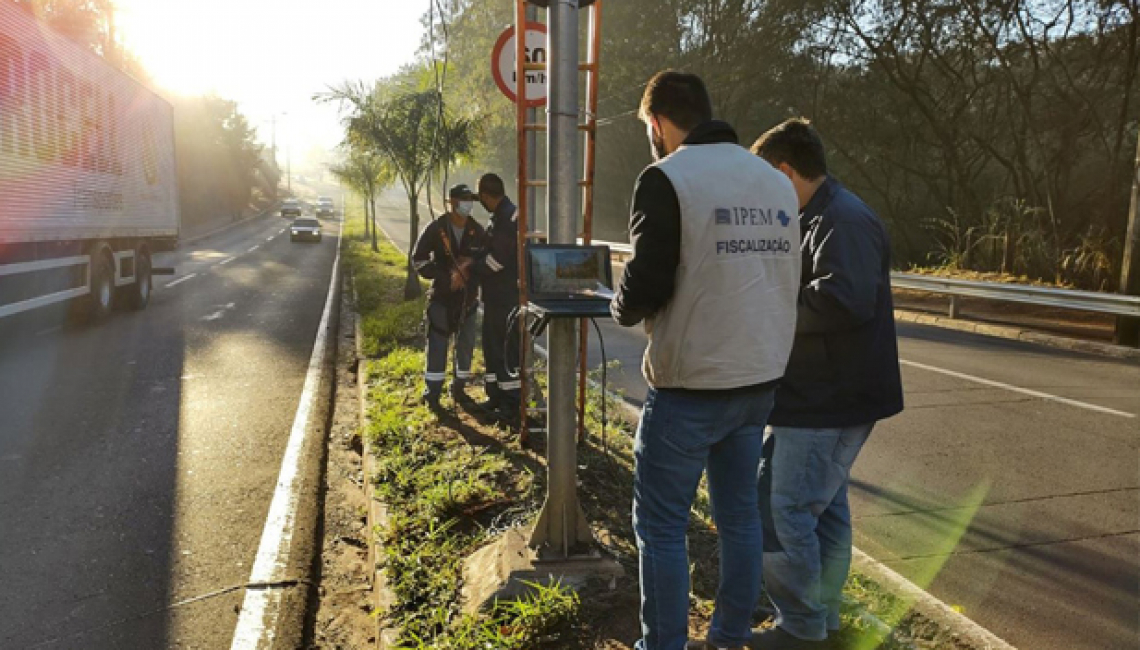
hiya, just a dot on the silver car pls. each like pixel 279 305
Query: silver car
pixel 305 229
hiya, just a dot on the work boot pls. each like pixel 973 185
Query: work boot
pixel 459 392
pixel 507 412
pixel 490 405
pixel 431 400
pixel 775 638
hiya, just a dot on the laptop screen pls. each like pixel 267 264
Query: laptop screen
pixel 569 271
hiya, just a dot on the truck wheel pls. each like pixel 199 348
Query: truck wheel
pixel 136 295
pixel 96 306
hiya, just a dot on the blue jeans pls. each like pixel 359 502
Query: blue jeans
pixel 681 433
pixel 807 523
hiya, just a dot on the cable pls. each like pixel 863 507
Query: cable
pixel 605 368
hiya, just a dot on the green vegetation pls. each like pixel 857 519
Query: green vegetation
pixel 990 136
pixel 219 161
pixel 444 494
pixel 400 129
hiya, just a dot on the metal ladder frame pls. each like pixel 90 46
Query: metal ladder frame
pixel 523 128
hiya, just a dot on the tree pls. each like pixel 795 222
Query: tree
pixel 411 130
pixel 218 158
pixel 367 174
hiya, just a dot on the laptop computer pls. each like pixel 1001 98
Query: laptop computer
pixel 569 280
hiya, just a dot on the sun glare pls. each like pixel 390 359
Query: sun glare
pixel 271 56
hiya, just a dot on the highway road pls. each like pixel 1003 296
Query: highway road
pixel 1009 488
pixel 138 458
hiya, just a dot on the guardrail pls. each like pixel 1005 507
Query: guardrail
pixel 1091 301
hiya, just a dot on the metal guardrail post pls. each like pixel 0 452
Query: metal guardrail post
pixel 1128 328
pixel 954 307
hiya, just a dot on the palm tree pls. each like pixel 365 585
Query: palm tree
pixel 414 135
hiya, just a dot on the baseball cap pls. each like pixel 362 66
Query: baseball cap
pixel 460 191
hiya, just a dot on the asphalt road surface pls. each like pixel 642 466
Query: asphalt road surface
pixel 1010 486
pixel 138 457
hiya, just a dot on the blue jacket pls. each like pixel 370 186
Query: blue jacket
pixel 844 368
pixel 499 267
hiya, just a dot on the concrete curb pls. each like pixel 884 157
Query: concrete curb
pixel 1019 334
pixel 377 515
pixel 963 629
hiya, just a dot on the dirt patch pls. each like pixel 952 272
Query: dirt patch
pixel 343 616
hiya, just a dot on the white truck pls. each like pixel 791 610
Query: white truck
pixel 88 189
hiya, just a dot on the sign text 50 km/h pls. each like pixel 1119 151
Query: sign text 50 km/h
pixel 503 63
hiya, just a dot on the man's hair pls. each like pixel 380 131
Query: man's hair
pixel 492 186
pixel 679 96
pixel 796 143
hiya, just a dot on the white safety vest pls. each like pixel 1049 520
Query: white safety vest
pixel 732 317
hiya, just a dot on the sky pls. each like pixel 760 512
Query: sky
pixel 272 56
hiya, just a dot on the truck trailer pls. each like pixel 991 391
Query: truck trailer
pixel 88 189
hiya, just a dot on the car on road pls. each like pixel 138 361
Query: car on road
pixel 305 229
pixel 325 207
pixel 291 208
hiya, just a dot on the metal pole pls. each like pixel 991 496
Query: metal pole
pixel 526 344
pixel 525 174
pixel 1128 329
pixel 561 527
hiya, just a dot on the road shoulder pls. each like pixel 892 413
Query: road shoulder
pixel 1019 334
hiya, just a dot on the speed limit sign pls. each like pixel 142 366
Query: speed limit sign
pixel 503 64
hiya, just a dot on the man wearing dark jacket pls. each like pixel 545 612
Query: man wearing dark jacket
pixel 444 254
pixel 714 275
pixel 498 271
pixel 842 377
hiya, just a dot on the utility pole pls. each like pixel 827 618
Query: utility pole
pixel 562 530
pixel 1127 328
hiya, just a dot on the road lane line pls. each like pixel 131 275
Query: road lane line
pixel 226 261
pixel 271 238
pixel 254 248
pixel 180 280
pixel 1018 389
pixel 254 627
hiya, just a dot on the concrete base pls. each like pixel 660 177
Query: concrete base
pixel 501 569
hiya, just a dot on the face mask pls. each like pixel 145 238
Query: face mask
pixel 464 208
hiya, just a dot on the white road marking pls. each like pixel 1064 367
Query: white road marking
pixel 220 313
pixel 1018 389
pixel 50 330
pixel 253 628
pixel 180 280
pixel 271 238
pixel 254 248
pixel 226 261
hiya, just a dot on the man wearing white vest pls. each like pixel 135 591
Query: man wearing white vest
pixel 714 275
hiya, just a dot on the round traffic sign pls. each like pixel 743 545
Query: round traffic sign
pixel 503 63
